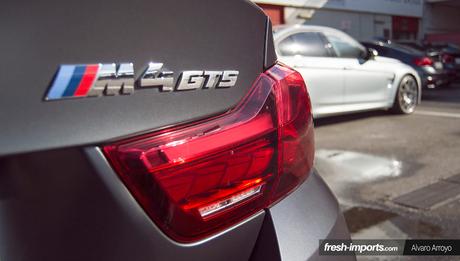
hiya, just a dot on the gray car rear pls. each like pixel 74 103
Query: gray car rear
pixel 59 197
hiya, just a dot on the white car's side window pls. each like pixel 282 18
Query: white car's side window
pixel 303 44
pixel 345 46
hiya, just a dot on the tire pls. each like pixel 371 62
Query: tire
pixel 406 98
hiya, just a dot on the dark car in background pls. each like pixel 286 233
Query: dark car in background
pixel 429 67
pixel 450 54
pixel 107 155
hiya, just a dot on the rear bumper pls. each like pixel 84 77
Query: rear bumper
pixel 293 227
pixel 288 230
pixel 432 81
pixel 69 204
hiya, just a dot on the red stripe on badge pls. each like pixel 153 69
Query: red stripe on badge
pixel 87 80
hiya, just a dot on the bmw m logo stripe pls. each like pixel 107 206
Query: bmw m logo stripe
pixel 111 79
pixel 73 81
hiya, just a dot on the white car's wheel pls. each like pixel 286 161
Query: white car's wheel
pixel 406 98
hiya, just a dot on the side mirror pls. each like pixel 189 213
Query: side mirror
pixel 371 54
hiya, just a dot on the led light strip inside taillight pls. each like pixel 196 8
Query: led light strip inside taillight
pixel 228 202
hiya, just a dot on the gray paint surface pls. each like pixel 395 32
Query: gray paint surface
pixel 78 209
pixel 309 214
pixel 70 205
pixel 185 35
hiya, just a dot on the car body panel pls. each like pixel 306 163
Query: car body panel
pixel 328 91
pixel 365 82
pixel 301 221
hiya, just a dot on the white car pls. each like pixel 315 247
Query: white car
pixel 343 76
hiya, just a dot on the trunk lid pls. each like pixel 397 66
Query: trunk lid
pixel 184 35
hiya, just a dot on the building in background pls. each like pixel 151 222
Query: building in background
pixel 274 11
pixel 441 21
pixel 363 19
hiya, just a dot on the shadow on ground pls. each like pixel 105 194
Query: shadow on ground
pixel 351 117
pixel 449 94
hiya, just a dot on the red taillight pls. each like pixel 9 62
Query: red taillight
pixel 446 58
pixel 296 145
pixel 199 178
pixel 424 61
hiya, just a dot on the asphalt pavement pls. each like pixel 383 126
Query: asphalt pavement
pixel 396 176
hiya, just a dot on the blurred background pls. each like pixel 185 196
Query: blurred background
pixel 400 20
pixel 396 176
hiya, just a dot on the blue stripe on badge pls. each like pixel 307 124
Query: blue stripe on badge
pixel 61 82
pixel 74 81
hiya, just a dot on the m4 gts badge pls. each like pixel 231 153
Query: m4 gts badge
pixel 93 80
